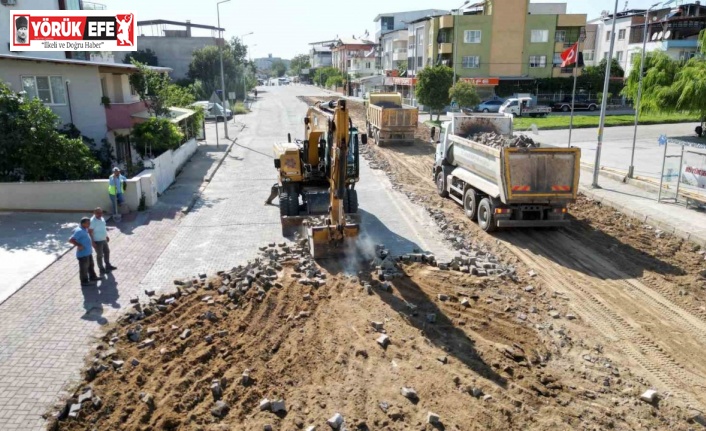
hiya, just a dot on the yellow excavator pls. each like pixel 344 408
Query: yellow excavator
pixel 322 170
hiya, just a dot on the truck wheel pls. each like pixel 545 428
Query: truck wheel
pixel 441 184
pixel 470 204
pixel 486 219
pixel 352 201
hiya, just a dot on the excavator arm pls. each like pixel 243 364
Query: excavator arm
pixel 336 235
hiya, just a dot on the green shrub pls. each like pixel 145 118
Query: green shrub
pixel 240 109
pixel 156 136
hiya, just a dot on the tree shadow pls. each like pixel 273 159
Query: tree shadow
pixel 94 297
pixel 43 232
pixel 590 251
pixel 412 303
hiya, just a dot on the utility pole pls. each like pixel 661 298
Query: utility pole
pixel 604 102
pixel 631 169
pixel 245 87
pixel 223 80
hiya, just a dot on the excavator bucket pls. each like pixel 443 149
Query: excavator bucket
pixel 322 246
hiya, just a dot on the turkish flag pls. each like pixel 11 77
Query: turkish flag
pixel 570 56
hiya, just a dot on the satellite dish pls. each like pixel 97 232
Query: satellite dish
pixel 654 36
pixel 660 35
pixel 667 34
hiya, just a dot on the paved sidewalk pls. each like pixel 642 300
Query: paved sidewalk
pixel 48 326
pixel 641 203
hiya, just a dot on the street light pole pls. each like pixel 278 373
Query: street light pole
pixel 604 102
pixel 223 80
pixel 631 169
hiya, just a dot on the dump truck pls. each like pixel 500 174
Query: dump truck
pixel 501 180
pixel 317 178
pixel 389 121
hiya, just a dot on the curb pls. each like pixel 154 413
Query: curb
pixel 207 180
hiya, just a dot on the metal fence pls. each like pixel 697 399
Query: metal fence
pixel 683 174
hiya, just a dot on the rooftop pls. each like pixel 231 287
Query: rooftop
pixel 178 23
pixel 102 65
pixel 430 11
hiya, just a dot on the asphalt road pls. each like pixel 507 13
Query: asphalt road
pixel 617 145
pixel 230 221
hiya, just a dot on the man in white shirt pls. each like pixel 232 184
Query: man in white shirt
pixel 100 239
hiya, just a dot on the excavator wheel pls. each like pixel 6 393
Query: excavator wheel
pixel 293 204
pixel 283 203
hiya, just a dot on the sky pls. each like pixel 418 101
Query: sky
pixel 284 28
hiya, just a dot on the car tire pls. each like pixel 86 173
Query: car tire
pixel 486 110
pixel 592 108
pixel 565 108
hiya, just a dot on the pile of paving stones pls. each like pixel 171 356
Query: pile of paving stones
pixel 499 141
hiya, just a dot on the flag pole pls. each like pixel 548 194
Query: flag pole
pixel 573 99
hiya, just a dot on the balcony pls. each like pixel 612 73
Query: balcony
pixel 446 21
pixel 89 5
pixel 399 55
pixel 446 48
pixel 685 43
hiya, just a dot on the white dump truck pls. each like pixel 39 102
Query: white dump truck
pixel 502 180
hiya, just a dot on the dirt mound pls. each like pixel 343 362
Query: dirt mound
pixel 283 344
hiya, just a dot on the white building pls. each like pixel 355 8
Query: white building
pixel 622 50
pixel 394 50
pixel 386 22
pixel 320 54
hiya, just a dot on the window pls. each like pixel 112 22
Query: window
pixel 420 62
pixel 537 61
pixel 588 55
pixel 388 23
pixel 557 59
pixel 686 55
pixel 605 55
pixel 471 62
pixel 621 34
pixel 410 63
pixel 367 65
pixel 560 36
pixel 607 35
pixel 348 63
pixel 471 36
pixel 539 36
pixel 48 89
pixel 104 87
pixel 619 56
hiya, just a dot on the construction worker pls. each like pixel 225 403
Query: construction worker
pixel 274 192
pixel 116 186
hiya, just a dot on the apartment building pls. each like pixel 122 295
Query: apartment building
pixel 355 56
pixel 672 30
pixel 508 39
pixel 320 54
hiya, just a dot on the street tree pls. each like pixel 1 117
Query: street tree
pixel 153 89
pixel 433 85
pixel 464 93
pixel 205 67
pixel 31 149
pixel 278 68
pixel 144 56
pixel 298 63
pixel 660 72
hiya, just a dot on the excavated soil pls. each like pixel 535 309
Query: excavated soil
pixel 498 362
pixel 641 291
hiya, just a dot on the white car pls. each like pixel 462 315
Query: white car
pixel 214 111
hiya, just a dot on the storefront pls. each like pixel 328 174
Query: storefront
pixel 485 87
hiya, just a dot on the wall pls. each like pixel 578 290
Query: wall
pixel 539 22
pixel 547 8
pixel 483 23
pixel 508 38
pixel 174 52
pixel 167 165
pixel 84 90
pixel 70 196
pixel 5 25
pixel 621 45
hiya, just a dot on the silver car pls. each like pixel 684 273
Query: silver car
pixel 492 105
pixel 214 111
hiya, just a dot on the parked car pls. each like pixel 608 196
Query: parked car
pixel 214 111
pixel 492 105
pixel 581 103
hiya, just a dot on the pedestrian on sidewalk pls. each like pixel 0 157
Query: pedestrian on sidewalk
pixel 84 253
pixel 116 186
pixel 100 239
pixel 274 192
